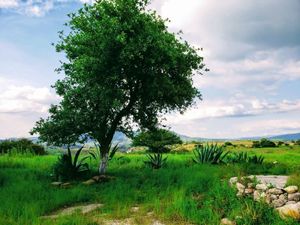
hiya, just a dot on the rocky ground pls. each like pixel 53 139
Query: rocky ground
pixel 272 190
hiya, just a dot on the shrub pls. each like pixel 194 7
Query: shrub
pixel 256 144
pixel 297 142
pixel 209 153
pixel 67 168
pixel 227 143
pixel 158 140
pixel 21 146
pixel 263 143
pixel 155 160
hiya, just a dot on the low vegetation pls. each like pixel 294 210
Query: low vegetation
pixel 209 153
pixel 21 146
pixel 263 143
pixel 180 192
pixel 68 167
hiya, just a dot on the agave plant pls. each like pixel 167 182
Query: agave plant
pixel 256 159
pixel 209 153
pixel 238 157
pixel 243 157
pixel 155 160
pixel 112 151
pixel 68 168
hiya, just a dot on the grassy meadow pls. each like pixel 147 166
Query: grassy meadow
pixel 181 192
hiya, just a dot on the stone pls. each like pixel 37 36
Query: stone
pixel 275 191
pixel 57 184
pixel 270 198
pixel 283 196
pixel 294 197
pixel 273 197
pixel 83 209
pixel 233 180
pixel 290 202
pixel 262 187
pixel 89 182
pixel 240 187
pixel 249 191
pixel 66 185
pixel 258 196
pixel 275 181
pixel 135 209
pixel 291 189
pixel 226 221
pixel 251 185
pixel 102 178
pixel 291 210
pixel 278 203
pixel 239 194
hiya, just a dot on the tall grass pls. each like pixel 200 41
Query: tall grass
pixel 179 193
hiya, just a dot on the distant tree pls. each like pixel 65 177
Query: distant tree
pixel 22 145
pixel 123 69
pixel 297 142
pixel 227 143
pixel 263 143
pixel 156 140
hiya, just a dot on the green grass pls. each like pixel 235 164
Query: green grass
pixel 180 193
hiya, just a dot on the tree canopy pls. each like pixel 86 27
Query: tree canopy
pixel 123 69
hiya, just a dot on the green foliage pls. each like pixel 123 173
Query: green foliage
pixel 156 140
pixel 123 68
pixel 263 143
pixel 180 193
pixel 155 160
pixel 243 157
pixel 21 146
pixel 297 142
pixel 209 153
pixel 67 168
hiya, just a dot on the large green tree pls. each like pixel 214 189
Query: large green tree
pixel 123 69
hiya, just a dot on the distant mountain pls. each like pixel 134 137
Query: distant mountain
pixel 286 137
pixel 283 137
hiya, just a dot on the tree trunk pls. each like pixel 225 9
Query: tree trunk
pixel 103 164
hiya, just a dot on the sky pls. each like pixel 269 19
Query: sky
pixel 251 47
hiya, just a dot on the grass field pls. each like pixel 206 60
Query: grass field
pixel 180 193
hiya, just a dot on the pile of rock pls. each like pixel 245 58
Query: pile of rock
pixel 285 199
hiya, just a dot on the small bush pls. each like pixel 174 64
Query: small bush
pixel 209 153
pixel 67 168
pixel 297 142
pixel 157 140
pixel 21 146
pixel 155 160
pixel 227 143
pixel 263 143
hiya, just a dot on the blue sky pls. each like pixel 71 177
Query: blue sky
pixel 252 48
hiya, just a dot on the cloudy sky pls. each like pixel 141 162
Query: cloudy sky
pixel 251 47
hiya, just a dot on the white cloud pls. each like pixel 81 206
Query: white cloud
pixel 18 99
pixel 87 1
pixel 8 4
pixel 38 8
pixel 235 107
pixel 271 126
